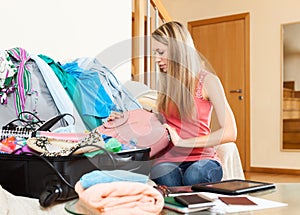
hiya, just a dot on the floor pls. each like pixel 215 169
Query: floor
pixel 272 178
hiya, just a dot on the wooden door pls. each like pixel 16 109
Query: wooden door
pixel 224 41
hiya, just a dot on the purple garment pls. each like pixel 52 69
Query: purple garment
pixel 24 149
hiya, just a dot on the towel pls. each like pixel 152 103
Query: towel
pixel 120 197
pixel 105 176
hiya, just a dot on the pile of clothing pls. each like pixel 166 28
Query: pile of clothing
pixel 117 192
pixel 83 87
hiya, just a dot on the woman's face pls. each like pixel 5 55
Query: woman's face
pixel 161 55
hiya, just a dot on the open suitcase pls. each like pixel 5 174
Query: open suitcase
pixel 52 179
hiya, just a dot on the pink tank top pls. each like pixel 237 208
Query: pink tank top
pixel 189 129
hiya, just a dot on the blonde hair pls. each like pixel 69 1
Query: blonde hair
pixel 178 84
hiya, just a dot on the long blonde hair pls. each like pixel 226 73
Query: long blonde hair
pixel 177 85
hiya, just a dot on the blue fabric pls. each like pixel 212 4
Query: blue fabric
pixel 107 176
pixel 70 84
pixel 122 99
pixel 186 173
pixel 95 101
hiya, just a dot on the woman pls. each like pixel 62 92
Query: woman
pixel 188 91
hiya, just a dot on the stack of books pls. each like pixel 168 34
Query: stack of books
pixel 224 195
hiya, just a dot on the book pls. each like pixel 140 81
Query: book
pixel 176 190
pixel 182 190
pixel 172 204
pixel 194 201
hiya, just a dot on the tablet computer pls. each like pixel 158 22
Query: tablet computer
pixel 233 187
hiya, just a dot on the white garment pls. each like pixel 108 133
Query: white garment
pixel 59 94
pixel 7 68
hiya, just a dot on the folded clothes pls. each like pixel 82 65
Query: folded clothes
pixel 106 176
pixel 126 198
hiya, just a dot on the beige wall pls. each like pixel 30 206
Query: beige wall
pixel 67 29
pixel 266 17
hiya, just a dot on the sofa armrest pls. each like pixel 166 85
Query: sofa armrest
pixel 230 159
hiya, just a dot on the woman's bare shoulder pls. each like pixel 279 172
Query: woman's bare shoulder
pixel 211 79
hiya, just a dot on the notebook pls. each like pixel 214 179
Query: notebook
pixel 172 204
pixel 194 201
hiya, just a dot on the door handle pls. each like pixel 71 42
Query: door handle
pixel 236 91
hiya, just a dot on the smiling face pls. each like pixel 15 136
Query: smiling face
pixel 160 52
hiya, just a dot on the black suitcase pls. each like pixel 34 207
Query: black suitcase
pixel 52 179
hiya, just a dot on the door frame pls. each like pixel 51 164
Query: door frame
pixel 246 18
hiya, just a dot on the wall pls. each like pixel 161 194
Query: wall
pixel 291 53
pixel 66 30
pixel 266 18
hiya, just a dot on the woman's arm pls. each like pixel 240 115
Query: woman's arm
pixel 227 131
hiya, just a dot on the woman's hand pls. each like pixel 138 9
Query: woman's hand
pixel 175 138
pixel 115 115
pixel 184 143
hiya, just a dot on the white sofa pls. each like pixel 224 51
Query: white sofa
pixel 231 162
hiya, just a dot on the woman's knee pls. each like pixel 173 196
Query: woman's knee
pixel 162 169
pixel 166 174
pixel 203 171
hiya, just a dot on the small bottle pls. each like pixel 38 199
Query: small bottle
pixel 113 145
pixel 130 145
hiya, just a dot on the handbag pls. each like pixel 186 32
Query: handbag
pixel 141 127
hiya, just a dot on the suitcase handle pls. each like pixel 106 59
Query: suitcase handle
pixel 121 159
pixel 49 196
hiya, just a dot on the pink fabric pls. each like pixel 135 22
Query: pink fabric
pixel 121 198
pixel 62 136
pixel 190 129
pixel 148 132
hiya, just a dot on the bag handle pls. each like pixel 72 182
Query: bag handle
pixel 51 122
pixel 121 121
pixel 117 122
